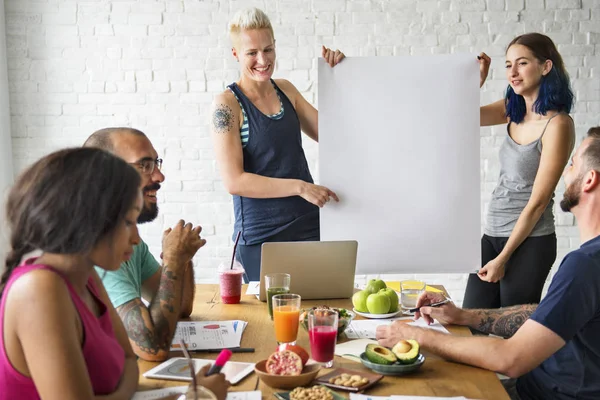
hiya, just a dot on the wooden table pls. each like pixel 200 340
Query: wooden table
pixel 435 378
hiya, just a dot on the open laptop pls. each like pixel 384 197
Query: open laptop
pixel 319 270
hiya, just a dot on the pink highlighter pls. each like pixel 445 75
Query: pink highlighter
pixel 223 357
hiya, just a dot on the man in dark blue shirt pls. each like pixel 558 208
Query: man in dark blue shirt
pixel 552 348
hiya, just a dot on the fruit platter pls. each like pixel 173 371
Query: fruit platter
pixel 376 301
pixel 344 317
pixel 403 358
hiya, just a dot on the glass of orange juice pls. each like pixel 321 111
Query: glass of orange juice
pixel 286 313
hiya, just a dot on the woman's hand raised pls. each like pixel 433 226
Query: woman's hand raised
pixel 332 57
pixel 484 67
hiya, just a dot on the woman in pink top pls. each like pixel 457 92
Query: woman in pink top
pixel 60 336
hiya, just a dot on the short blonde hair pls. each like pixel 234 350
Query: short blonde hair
pixel 246 19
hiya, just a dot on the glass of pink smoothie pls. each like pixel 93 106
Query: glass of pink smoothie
pixel 322 333
pixel 230 282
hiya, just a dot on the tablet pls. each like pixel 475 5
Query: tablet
pixel 178 369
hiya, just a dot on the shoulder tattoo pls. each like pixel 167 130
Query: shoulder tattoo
pixel 222 118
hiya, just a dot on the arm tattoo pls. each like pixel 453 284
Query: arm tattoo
pixel 222 118
pixel 166 293
pixel 147 340
pixel 150 329
pixel 503 322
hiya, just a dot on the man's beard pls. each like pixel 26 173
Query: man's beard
pixel 571 195
pixel 149 212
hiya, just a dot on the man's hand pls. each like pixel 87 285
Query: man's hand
pixel 445 314
pixel 181 243
pixel 216 383
pixel 389 335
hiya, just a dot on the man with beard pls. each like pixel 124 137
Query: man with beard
pixel 551 350
pixel 169 290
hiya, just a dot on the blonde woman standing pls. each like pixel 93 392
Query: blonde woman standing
pixel 256 127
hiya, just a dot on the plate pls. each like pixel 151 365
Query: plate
pixel 393 369
pixel 286 395
pixel 377 316
pixel 373 379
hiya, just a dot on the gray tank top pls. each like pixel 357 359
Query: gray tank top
pixel 518 168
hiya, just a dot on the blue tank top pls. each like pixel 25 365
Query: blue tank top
pixel 274 149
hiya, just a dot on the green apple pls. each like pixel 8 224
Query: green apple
pixel 391 293
pixel 375 285
pixel 378 303
pixel 359 301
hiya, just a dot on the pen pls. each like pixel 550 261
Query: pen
pixel 233 350
pixel 440 303
pixel 222 358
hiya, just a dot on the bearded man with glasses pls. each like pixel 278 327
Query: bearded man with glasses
pixel 168 288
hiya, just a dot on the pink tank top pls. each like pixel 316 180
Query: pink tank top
pixel 104 356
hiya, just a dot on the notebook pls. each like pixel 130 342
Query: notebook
pixel 313 267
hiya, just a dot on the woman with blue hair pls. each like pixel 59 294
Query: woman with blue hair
pixel 518 247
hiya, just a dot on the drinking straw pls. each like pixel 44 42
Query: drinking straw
pixel 237 239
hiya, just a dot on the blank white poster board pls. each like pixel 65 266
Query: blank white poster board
pixel 399 144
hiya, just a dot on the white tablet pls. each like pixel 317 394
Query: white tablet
pixel 178 369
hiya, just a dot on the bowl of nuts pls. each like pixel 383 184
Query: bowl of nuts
pixel 344 317
pixel 306 393
pixel 349 379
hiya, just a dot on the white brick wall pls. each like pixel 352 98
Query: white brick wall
pixel 6 164
pixel 76 66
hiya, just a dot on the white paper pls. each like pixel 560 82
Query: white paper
pixel 254 395
pixel 253 288
pixel 354 396
pixel 436 326
pixel 399 144
pixel 353 348
pixel 366 328
pixel 204 335
pixel 159 393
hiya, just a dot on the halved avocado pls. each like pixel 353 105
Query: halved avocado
pixel 379 354
pixel 407 351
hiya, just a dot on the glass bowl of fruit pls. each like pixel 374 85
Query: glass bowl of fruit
pixel 344 317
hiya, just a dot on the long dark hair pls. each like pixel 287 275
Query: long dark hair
pixel 66 202
pixel 555 89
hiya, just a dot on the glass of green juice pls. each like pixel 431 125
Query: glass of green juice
pixel 276 284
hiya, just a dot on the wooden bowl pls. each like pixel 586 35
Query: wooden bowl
pixel 309 373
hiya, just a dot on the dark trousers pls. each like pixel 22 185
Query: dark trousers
pixel 249 255
pixel 526 273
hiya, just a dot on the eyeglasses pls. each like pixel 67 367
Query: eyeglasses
pixel 147 165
